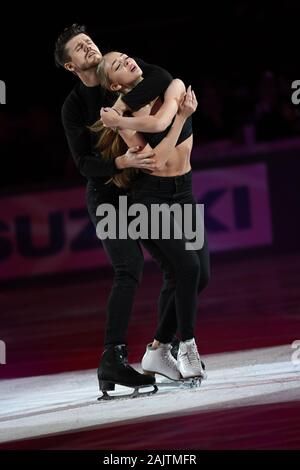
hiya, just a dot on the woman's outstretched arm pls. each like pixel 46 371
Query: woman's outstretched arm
pixel 152 123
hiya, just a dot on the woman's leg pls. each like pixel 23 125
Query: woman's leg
pixel 184 273
pixel 172 190
pixel 177 291
pixel 185 277
pixel 166 300
pixel 167 323
pixel 183 195
pixel 188 359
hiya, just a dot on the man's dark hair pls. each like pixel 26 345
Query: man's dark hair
pixel 61 55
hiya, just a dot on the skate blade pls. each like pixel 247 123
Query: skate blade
pixel 134 394
pixel 177 382
pixel 193 382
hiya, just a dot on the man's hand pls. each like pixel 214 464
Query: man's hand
pixel 135 158
pixel 189 104
pixel 110 117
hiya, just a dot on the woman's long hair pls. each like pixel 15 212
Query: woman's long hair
pixel 110 144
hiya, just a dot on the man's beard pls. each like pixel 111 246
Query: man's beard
pixel 92 65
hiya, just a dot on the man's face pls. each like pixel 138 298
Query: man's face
pixel 83 52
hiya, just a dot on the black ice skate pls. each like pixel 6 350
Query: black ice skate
pixel 115 370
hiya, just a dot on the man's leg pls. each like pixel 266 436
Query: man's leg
pixel 127 260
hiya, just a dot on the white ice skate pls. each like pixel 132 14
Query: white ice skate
pixel 188 361
pixel 160 361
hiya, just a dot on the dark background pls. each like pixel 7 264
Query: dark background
pixel 240 57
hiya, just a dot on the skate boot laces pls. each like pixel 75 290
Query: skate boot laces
pixel 168 358
pixel 189 354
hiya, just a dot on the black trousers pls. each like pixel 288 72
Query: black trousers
pixel 186 272
pixel 127 260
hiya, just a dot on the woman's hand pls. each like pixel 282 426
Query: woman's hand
pixel 188 104
pixel 110 117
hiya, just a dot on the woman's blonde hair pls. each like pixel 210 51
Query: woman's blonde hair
pixel 110 144
pixel 102 74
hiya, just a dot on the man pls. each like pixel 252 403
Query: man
pixel 77 53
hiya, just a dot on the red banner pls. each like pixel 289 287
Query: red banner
pixel 50 232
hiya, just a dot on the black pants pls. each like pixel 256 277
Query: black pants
pixel 186 272
pixel 127 260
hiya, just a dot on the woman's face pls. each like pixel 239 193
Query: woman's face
pixel 122 70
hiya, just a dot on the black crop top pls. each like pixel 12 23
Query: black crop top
pixel 154 139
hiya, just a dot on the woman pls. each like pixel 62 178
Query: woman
pixel 186 272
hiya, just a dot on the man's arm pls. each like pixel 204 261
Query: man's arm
pixel 79 140
pixel 89 165
pixel 156 81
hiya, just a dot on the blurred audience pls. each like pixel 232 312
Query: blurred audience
pixel 34 148
pixel 245 113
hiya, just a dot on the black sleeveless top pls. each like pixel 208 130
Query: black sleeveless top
pixel 154 139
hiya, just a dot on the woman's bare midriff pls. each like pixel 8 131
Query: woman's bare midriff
pixel 178 162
